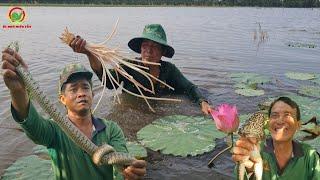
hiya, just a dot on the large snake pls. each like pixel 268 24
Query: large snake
pixel 104 154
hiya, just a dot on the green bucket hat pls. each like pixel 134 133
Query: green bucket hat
pixel 153 32
pixel 72 70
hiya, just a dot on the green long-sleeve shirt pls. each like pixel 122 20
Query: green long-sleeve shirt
pixel 68 160
pixel 169 74
pixel 303 165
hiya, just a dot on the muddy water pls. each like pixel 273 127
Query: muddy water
pixel 210 43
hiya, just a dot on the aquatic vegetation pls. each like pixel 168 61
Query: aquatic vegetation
pixel 260 36
pixel 136 150
pixel 247 83
pixel 313 91
pixel 29 167
pixel 180 135
pixel 300 76
pixel 249 92
pixel 301 45
pixel 317 79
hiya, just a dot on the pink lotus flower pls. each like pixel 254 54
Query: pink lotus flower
pixel 226 118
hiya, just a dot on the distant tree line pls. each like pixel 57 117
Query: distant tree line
pixel 259 3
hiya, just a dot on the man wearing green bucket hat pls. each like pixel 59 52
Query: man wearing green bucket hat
pixel 152 45
pixel 69 161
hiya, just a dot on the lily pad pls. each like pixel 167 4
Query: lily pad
pixel 180 135
pixel 310 91
pixel 249 92
pixel 136 150
pixel 249 78
pixel 30 167
pixel 300 76
pixel 247 83
pixel 302 45
pixel 317 79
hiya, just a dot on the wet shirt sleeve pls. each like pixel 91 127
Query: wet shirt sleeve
pixel 183 86
pixel 38 129
pixel 117 139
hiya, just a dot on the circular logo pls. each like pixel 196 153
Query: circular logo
pixel 16 15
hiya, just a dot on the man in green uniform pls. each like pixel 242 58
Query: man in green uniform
pixel 283 157
pixel 152 45
pixel 69 161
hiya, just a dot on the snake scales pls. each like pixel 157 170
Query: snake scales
pixel 104 154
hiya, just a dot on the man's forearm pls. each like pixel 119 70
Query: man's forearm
pixel 20 102
pixel 95 64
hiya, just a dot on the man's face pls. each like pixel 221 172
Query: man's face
pixel 77 96
pixel 151 51
pixel 283 122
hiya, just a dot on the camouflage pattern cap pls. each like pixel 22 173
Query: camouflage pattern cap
pixel 72 70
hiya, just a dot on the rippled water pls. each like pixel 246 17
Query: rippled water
pixel 210 43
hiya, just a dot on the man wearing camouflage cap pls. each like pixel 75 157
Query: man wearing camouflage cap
pixel 75 92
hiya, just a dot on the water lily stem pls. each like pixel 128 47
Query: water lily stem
pixel 211 164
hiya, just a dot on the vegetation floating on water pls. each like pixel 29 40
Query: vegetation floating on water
pixel 137 150
pixel 301 45
pixel 247 83
pixel 29 167
pixel 300 76
pixel 180 135
pixel 313 91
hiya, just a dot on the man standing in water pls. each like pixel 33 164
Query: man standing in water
pixel 69 161
pixel 152 45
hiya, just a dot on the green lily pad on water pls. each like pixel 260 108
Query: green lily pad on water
pixel 136 150
pixel 180 135
pixel 249 92
pixel 300 76
pixel 247 83
pixel 310 91
pixel 317 79
pixel 249 78
pixel 30 167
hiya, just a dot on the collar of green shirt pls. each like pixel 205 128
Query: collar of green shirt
pixel 98 125
pixel 297 148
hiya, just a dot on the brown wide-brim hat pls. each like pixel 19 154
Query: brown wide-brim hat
pixel 153 32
